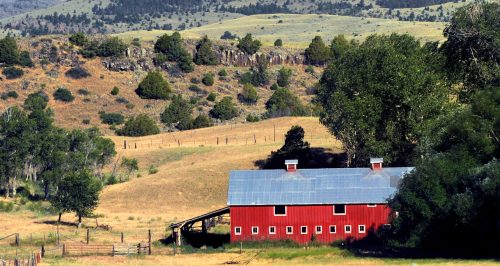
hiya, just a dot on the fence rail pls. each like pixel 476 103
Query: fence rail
pixel 80 249
pixel 32 260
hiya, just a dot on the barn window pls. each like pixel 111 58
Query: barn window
pixel 279 210
pixel 272 230
pixel 319 229
pixel 289 230
pixel 372 205
pixel 333 229
pixel 303 230
pixel 361 229
pixel 255 230
pixel 237 231
pixel 339 209
pixel 347 229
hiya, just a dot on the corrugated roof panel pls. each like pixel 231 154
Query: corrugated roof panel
pixel 313 186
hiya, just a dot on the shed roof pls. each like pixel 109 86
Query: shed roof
pixel 313 186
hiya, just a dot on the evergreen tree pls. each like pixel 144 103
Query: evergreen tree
pixel 225 109
pixel 9 54
pixel 141 125
pixel 284 103
pixel 284 75
pixel 204 53
pixel 172 46
pixel 178 110
pixel 248 45
pixel 317 53
pixel 154 86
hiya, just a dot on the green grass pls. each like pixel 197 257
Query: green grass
pixel 294 253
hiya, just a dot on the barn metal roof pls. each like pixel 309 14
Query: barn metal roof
pixel 313 186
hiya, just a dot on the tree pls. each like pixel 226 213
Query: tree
pixel 25 59
pixel 112 47
pixel 208 79
pixel 249 94
pixel 9 54
pixel 141 125
pixel 294 148
pixel 339 46
pixel 317 53
pixel 12 72
pixel 63 94
pixel 278 43
pixel 258 75
pixel 224 109
pixel 201 121
pixel 177 111
pixel 284 75
pixel 204 53
pixel 154 86
pixel 130 164
pixel 227 35
pixel 78 192
pixel 36 101
pixel 284 103
pixel 172 46
pixel 377 97
pixel 248 45
pixel 79 39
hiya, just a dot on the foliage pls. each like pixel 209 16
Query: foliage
pixel 208 79
pixel 249 94
pixel 173 48
pixel 9 94
pixel 115 90
pixel 12 72
pixel 222 73
pixel 377 97
pixel 294 148
pixel 258 75
pixel 63 94
pixel 111 118
pixel 275 86
pixel 25 59
pixel 178 110
pixel 112 47
pixel 83 92
pixel 252 118
pixel 78 39
pixel 201 121
pixel 77 73
pixel 78 192
pixel 211 97
pixel 140 125
pixel 278 43
pixel 284 75
pixel 154 86
pixel 36 101
pixel 284 103
pixel 317 53
pixel 225 109
pixel 310 70
pixel 227 35
pixel 204 53
pixel 339 46
pixel 9 53
pixel 248 45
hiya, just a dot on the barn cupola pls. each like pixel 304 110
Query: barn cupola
pixel 291 165
pixel 376 163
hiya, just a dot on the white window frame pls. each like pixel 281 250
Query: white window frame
pixel 320 229
pixel 235 232
pixel 303 226
pixel 330 229
pixel 291 232
pixel 372 205
pixel 273 227
pixel 255 233
pixel 345 229
pixel 274 211
pixel 364 228
pixel 345 210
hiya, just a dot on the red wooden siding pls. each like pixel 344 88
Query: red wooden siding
pixel 247 217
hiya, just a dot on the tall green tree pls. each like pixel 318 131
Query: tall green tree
pixel 376 98
pixel 9 53
pixel 178 110
pixel 225 109
pixel 317 53
pixel 248 45
pixel 339 46
pixel 205 55
pixel 284 103
pixel 154 86
pixel 172 46
pixel 141 125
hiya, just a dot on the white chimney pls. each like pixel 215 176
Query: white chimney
pixel 376 163
pixel 291 165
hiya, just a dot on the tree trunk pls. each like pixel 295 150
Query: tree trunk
pixel 14 186
pixel 46 190
pixel 59 219
pixel 79 221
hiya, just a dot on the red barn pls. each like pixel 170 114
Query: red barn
pixel 304 204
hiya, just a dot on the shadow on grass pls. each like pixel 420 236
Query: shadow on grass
pixel 315 158
pixel 199 240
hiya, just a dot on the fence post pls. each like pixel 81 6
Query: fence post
pixel 88 236
pixel 149 242
pixel 17 239
pixel 122 237
pixel 64 250
pixel 43 250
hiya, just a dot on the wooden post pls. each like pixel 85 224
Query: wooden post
pixel 124 144
pixel 17 239
pixel 122 237
pixel 43 250
pixel 64 250
pixel 88 236
pixel 149 242
pixel 226 140
pixel 254 139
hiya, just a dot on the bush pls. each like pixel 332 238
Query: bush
pixel 284 75
pixel 172 47
pixel 78 39
pixel 204 53
pixel 63 94
pixel 136 42
pixel 152 170
pixel 317 53
pixel 275 86
pixel 25 59
pixel 222 73
pixel 211 97
pixel 248 45
pixel 208 79
pixel 112 47
pixel 248 94
pixel 13 72
pixel 86 121
pixel 197 90
pixel 310 70
pixel 228 36
pixel 36 101
pixel 141 125
pixel 154 86
pixel 201 121
pixel 111 118
pixel 252 118
pixel 9 54
pixel 122 100
pixel 160 59
pixel 9 94
pixel 284 103
pixel 225 109
pixel 83 92
pixel 278 43
pixel 77 73
pixel 6 206
pixel 177 111
pixel 115 91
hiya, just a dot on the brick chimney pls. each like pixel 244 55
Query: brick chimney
pixel 291 165
pixel 376 163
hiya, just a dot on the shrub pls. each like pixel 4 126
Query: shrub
pixel 9 94
pixel 228 36
pixel 115 91
pixel 275 86
pixel 152 170
pixel 86 121
pixel 112 47
pixel 211 97
pixel 222 73
pixel 141 125
pixel 248 45
pixel 154 86
pixel 252 118
pixel 310 70
pixel 6 206
pixel 13 72
pixel 36 101
pixel 284 103
pixel 63 94
pixel 136 42
pixel 278 43
pixel 83 92
pixel 172 47
pixel 248 94
pixel 77 73
pixel 111 118
pixel 178 110
pixel 195 80
pixel 201 121
pixel 284 75
pixel 9 53
pixel 260 74
pixel 129 106
pixel 78 39
pixel 208 79
pixel 225 109
pixel 160 59
pixel 204 53
pixel 317 53
pixel 25 59
pixel 197 90
pixel 122 100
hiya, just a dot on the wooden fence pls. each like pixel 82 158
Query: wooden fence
pixel 80 249
pixel 32 260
